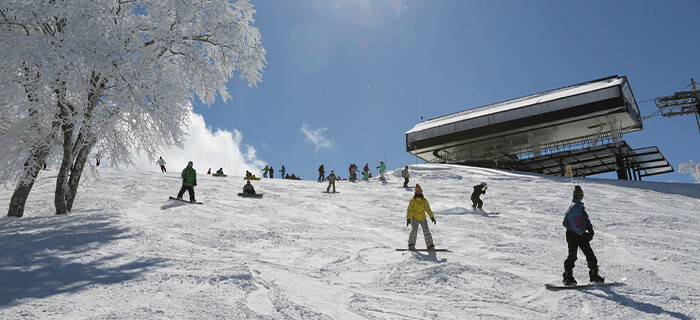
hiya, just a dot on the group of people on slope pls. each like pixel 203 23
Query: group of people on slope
pixel 271 171
pixel 579 230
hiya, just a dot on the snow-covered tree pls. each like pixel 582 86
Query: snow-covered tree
pixel 691 167
pixel 118 74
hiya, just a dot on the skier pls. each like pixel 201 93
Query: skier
pixel 365 175
pixel 353 172
pixel 161 163
pixel 479 189
pixel 209 171
pixel 365 170
pixel 405 175
pixel 579 232
pixel 331 181
pixel 220 171
pixel 282 171
pixel 265 170
pixel 321 173
pixel 415 215
pixel 189 181
pixel 248 188
pixel 382 169
pixel 272 173
pixel 350 172
pixel 97 157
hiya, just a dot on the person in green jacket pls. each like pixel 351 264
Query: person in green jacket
pixel 189 181
pixel 382 169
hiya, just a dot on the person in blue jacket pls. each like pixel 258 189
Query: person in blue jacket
pixel 579 232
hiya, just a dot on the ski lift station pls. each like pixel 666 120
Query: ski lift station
pixel 579 127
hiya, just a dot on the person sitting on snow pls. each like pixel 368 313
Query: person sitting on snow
pixel 220 171
pixel 248 188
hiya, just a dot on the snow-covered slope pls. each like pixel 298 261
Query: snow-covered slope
pixel 126 252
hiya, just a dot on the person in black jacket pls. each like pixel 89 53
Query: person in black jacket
pixel 479 189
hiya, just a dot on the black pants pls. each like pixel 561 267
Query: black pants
pixel 405 182
pixel 190 190
pixel 575 241
pixel 477 203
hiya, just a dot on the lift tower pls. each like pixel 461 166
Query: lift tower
pixel 681 103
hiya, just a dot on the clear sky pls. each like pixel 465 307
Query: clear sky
pixel 345 79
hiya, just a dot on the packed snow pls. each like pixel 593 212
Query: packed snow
pixel 127 252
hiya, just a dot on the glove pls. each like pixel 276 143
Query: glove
pixel 408 222
pixel 195 184
pixel 433 220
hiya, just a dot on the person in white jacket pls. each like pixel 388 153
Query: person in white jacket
pixel 161 163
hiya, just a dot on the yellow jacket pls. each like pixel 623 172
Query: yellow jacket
pixel 417 209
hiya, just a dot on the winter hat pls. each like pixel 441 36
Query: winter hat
pixel 578 192
pixel 190 163
pixel 418 189
pixel 484 184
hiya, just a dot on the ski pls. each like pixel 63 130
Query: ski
pixel 185 201
pixel 562 286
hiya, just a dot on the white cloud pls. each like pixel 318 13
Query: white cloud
pixel 316 137
pixel 209 149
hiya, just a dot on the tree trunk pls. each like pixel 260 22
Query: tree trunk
pixel 86 139
pixel 77 172
pixel 67 128
pixel 31 170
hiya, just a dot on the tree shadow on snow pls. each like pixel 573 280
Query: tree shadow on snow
pixel 629 302
pixel 41 257
pixel 428 256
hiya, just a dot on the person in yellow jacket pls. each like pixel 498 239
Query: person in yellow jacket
pixel 415 215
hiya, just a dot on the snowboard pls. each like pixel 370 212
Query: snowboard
pixel 251 178
pixel 248 195
pixel 183 200
pixel 218 175
pixel 331 191
pixel 562 286
pixel 431 250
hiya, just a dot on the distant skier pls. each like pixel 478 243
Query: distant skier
pixel 265 170
pixel 272 173
pixel 209 171
pixel 189 181
pixel 365 170
pixel 382 169
pixel 331 181
pixel 220 171
pixel 97 157
pixel 366 175
pixel 415 215
pixel 353 172
pixel 282 171
pixel 579 233
pixel 479 189
pixel 404 174
pixel 321 173
pixel 248 188
pixel 161 163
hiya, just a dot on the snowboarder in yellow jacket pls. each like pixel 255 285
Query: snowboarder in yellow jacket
pixel 415 215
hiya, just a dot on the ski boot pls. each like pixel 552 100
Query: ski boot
pixel 595 277
pixel 411 246
pixel 569 277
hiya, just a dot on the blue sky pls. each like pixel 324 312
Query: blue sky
pixel 360 73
